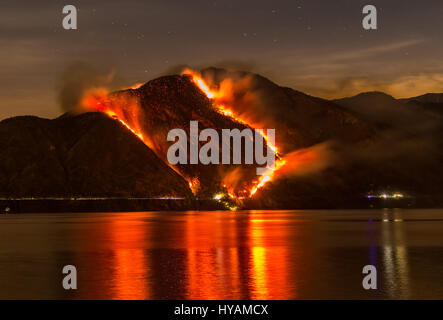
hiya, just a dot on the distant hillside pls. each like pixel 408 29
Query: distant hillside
pixel 427 98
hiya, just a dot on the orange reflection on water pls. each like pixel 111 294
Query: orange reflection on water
pixel 260 283
pixel 205 259
pixel 207 255
pixel 236 258
pixel 269 260
pixel 130 278
pixel 259 262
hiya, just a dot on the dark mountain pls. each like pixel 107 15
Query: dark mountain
pixel 431 103
pixel 427 98
pixel 413 118
pixel 408 149
pixel 300 120
pixel 88 155
pixel 384 110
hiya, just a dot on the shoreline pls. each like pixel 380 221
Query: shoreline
pixel 61 205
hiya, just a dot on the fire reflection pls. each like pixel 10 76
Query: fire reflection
pixel 130 278
pixel 238 257
pixel 209 255
pixel 114 263
pixel 269 259
pixel 210 263
pixel 259 261
pixel 260 284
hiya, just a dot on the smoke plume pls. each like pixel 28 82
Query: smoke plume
pixel 77 79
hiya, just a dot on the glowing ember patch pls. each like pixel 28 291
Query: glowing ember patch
pixel 136 85
pixel 218 196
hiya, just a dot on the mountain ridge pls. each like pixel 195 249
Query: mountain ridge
pixel 394 146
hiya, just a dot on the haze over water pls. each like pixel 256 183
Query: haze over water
pixel 300 254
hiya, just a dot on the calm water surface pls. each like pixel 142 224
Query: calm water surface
pixel 223 255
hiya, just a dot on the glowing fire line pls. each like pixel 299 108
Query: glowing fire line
pixel 114 116
pixel 222 109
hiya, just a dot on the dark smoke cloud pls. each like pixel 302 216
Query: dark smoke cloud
pixel 175 69
pixel 80 76
pixel 229 64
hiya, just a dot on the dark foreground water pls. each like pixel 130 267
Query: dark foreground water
pixel 223 255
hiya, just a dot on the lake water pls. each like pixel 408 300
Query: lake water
pixel 303 254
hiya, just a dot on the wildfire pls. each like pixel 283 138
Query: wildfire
pixel 136 85
pixel 200 83
pixel 267 176
pixel 99 99
pixel 114 116
pixel 227 112
pixel 221 108
pixel 126 112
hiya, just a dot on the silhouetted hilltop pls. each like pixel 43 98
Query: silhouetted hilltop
pixel 87 155
pixel 427 98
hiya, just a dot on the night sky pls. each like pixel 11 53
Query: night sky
pixel 318 47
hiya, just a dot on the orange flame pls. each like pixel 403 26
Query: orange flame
pixel 198 80
pixel 99 100
pixel 136 85
pixel 264 178
pixel 113 115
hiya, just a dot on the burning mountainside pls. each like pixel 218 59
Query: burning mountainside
pixel 221 100
pixel 150 111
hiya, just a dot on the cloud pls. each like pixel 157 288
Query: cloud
pixel 391 67
pixel 359 54
pixel 398 86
